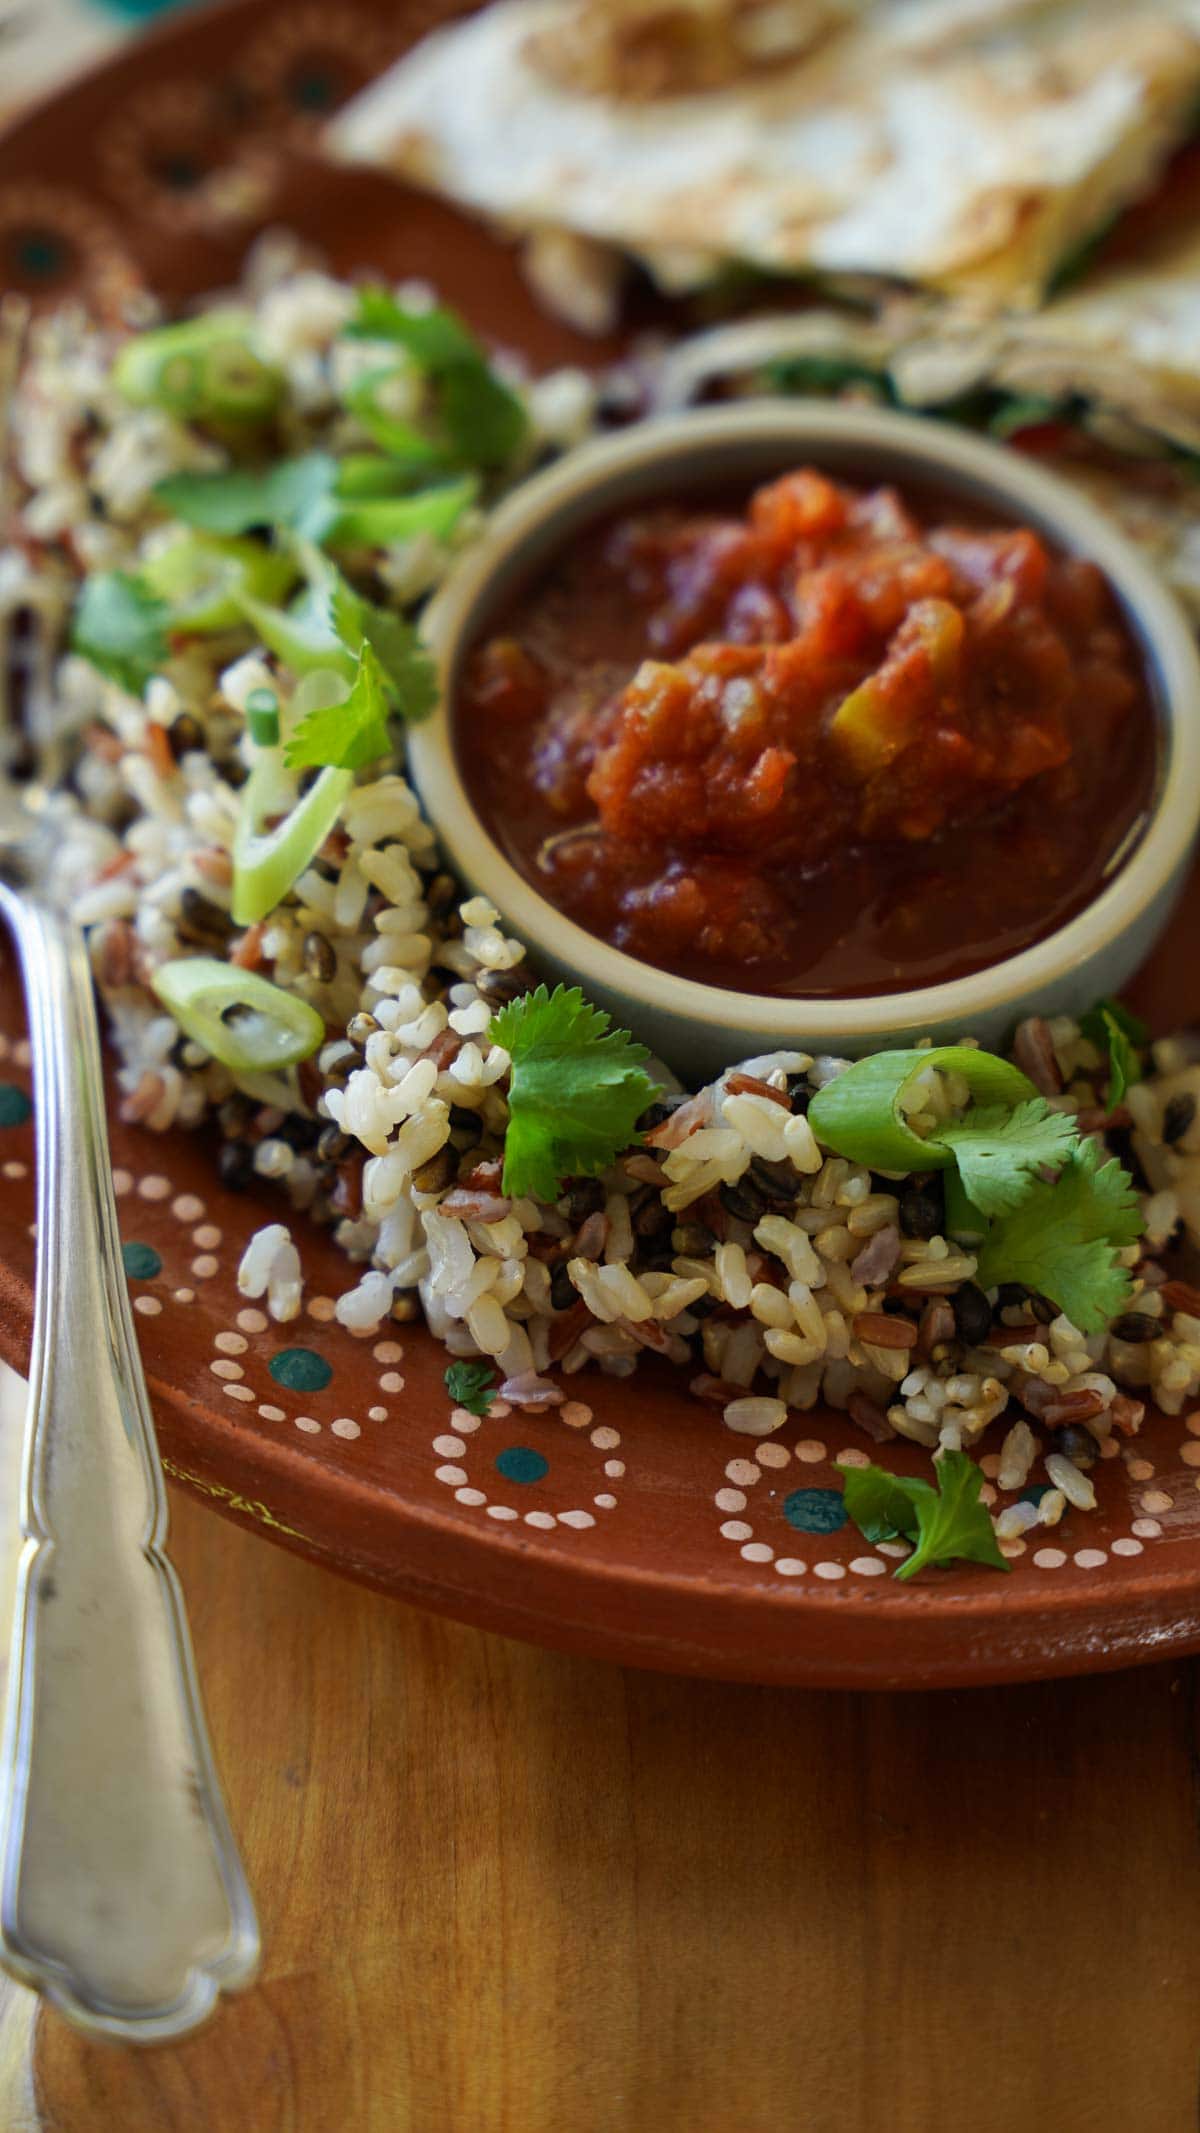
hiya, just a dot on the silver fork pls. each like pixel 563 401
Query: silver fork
pixel 122 1894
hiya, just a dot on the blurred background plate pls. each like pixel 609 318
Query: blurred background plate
pixel 630 1523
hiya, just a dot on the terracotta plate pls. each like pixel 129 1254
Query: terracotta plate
pixel 632 1523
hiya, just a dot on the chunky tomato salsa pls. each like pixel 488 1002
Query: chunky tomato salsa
pixel 835 743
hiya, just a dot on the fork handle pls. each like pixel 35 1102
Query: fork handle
pixel 122 1895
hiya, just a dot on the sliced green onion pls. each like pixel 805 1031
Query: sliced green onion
pixel 266 862
pixel 302 635
pixel 262 717
pixel 377 522
pixel 205 577
pixel 365 400
pixel 240 1018
pixel 859 1114
pixel 366 474
pixel 201 369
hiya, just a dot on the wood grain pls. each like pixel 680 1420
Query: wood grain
pixel 504 1891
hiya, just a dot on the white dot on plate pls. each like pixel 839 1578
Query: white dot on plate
pixel 185 1296
pixel 1049 1558
pixel 345 1426
pixel 772 1455
pixel 15 1170
pixel 21 1052
pixel 852 1457
pixel 1192 1422
pixel 252 1321
pixel 231 1343
pixel 1190 1453
pixel 122 1182
pixel 1110 1449
pixel 757 1552
pixel 730 1499
pixel 1090 1558
pixel 736 1529
pixel 1147 1529
pixel 790 1566
pixel 744 1472
pixel 149 1306
pixel 204 1266
pixel 223 1369
pixel 1012 1548
pixel 449 1447
pixel 829 1571
pixel 237 1392
pixel 377 1414
pixel 896 1548
pixel 207 1237
pixel 990 1465
pixel 1156 1500
pixel 500 1408
pixel 321 1308
pixel 543 1520
pixel 575 1413
pixel 154 1187
pixel 605 1503
pixel 605 1439
pixel 1126 1547
pixel 502 1511
pixel 868 1566
pixel 987 1493
pixel 453 1476
pixel 187 1208
pixel 471 1497
pixel 811 1451
pixel 614 1468
pixel 576 1518
pixel 391 1381
pixel 311 1427
pixel 1140 1469
pixel 271 1414
pixel 463 1420
pixel 387 1351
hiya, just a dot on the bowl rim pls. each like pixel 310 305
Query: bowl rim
pixel 940 455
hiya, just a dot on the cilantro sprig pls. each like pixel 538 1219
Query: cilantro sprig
pixel 120 626
pixel 999 1151
pixel 347 735
pixel 1062 1240
pixel 948 1522
pixel 577 1089
pixel 471 1385
pixel 482 421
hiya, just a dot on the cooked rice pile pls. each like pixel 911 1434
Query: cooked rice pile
pixel 772 1276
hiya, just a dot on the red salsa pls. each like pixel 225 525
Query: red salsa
pixel 836 743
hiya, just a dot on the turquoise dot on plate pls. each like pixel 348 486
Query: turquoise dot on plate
pixel 15 1106
pixel 815 1510
pixel 519 1462
pixel 300 1369
pixel 142 1262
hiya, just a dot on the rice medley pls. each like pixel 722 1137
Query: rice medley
pixel 773 1275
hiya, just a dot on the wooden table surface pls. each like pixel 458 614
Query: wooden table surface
pixel 503 1891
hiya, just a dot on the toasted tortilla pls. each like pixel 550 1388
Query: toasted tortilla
pixel 967 144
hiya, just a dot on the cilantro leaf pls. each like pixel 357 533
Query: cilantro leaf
pixel 576 1091
pixel 997 1150
pixel 1063 1239
pixel 483 421
pixel 327 625
pixel 471 1385
pixel 348 735
pixel 120 626
pixel 948 1523
pixel 1112 1028
pixel 292 493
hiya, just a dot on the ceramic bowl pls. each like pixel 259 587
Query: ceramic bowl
pixel 698 1028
